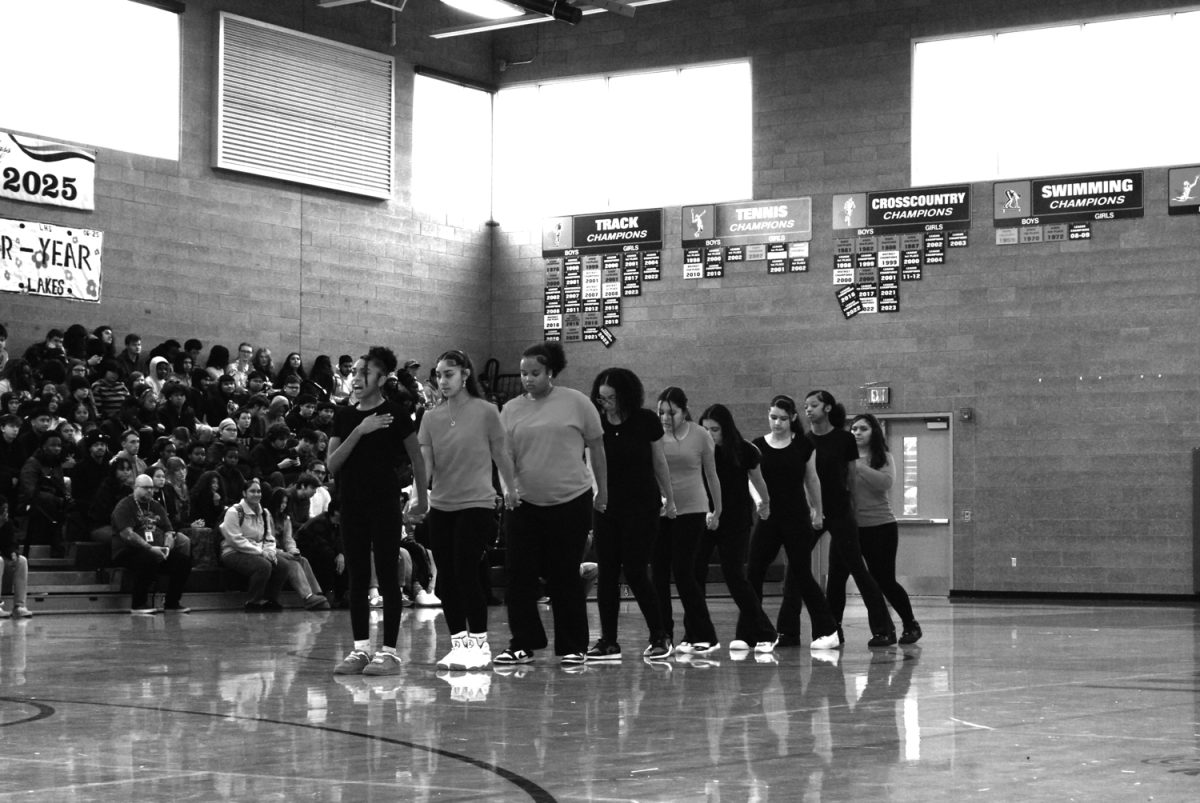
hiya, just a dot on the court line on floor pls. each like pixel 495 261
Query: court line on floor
pixel 535 792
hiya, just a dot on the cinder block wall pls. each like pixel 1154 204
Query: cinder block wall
pixel 193 252
pixel 1078 359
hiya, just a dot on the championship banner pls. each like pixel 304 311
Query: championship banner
pixel 943 208
pixel 1183 197
pixel 604 232
pixel 761 221
pixel 46 260
pixel 1067 199
pixel 40 172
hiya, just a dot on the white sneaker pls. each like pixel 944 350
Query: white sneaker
pixel 375 600
pixel 477 653
pixel 4 614
pixel 705 647
pixel 766 647
pixel 456 656
pixel 737 645
pixel 830 642
pixel 21 612
pixel 427 599
pixel 683 648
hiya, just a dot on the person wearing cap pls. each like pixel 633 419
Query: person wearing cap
pixel 146 544
pixel 38 421
pixel 343 379
pixel 89 470
pixel 413 368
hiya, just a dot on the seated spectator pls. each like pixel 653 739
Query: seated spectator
pixel 109 392
pixel 17 376
pixel 277 411
pixel 291 389
pixel 300 572
pixel 81 415
pixel 192 347
pixel 12 456
pixel 168 496
pixel 292 365
pixel 72 441
pixel 116 485
pixel 320 540
pixel 130 361
pixel 273 460
pixel 302 415
pixel 100 347
pixel 218 361
pixel 343 380
pixel 146 545
pixel 197 462
pixel 323 421
pixel 250 429
pixel 248 548
pixel 321 498
pixel 309 447
pixel 79 391
pixel 216 490
pixel 257 382
pixel 177 412
pixel 14 569
pixel 38 421
pixel 227 435
pixel 43 494
pixel 181 369
pixel 262 362
pixel 49 349
pixel 322 377
pixel 91 467
pixel 131 446
pixel 223 401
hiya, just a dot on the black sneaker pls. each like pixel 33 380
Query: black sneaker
pixel 604 651
pixel 912 633
pixel 659 649
pixel 514 656
pixel 883 639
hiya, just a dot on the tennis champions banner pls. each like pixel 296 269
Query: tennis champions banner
pixel 42 259
pixel 41 172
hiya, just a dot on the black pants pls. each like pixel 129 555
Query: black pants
pixel 675 553
pixel 323 559
pixel 625 541
pixel 879 545
pixel 845 557
pixel 731 541
pixel 793 532
pixel 459 540
pixel 376 525
pixel 143 566
pixel 547 541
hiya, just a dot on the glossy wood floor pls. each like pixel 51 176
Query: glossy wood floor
pixel 998 702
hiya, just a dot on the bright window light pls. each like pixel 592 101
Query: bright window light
pixel 566 147
pixel 452 149
pixel 487 9
pixel 1024 103
pixel 103 73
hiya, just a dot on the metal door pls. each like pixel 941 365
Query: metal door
pixel 921 498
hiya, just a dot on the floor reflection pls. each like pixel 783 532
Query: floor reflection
pixel 245 707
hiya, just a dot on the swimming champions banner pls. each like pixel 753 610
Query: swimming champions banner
pixel 40 172
pixel 1064 199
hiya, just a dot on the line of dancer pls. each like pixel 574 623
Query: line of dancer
pixel 658 491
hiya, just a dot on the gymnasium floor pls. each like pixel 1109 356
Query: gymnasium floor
pixel 998 702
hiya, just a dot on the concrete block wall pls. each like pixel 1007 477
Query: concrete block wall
pixel 1078 359
pixel 195 252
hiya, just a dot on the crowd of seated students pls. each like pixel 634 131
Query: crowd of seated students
pixel 81 421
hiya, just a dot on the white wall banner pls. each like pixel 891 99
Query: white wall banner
pixel 40 172
pixel 47 260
